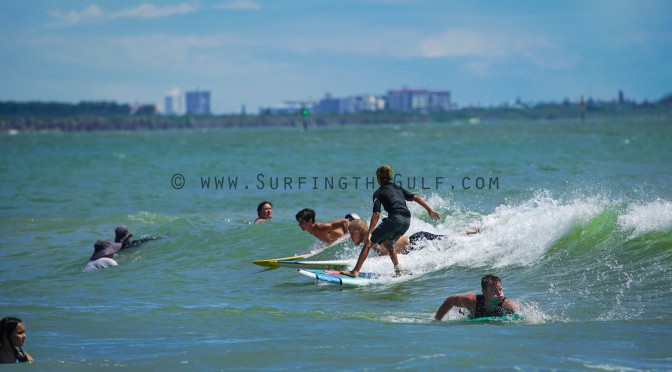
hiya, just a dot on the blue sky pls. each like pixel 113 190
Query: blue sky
pixel 261 53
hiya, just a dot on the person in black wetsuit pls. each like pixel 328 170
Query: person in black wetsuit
pixel 405 244
pixel 12 337
pixel 123 235
pixel 393 198
pixel 491 303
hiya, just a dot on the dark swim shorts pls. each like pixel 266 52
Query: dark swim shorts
pixel 420 236
pixel 392 228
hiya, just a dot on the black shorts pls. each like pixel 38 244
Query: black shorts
pixel 392 228
pixel 419 236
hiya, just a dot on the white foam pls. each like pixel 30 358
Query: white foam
pixel 516 235
pixel 645 218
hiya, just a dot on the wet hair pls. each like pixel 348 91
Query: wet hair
pixel 7 327
pixel 306 214
pixel 489 279
pixel 384 173
pixel 261 206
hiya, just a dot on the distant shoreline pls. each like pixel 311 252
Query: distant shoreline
pixel 23 120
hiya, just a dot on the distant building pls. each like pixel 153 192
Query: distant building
pixel 440 101
pixel 349 105
pixel 328 105
pixel 361 104
pixel 288 107
pixel 173 103
pixel 418 100
pixel 198 102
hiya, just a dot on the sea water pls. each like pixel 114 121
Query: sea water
pixel 575 217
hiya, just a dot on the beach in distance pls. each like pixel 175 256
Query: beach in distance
pixel 574 216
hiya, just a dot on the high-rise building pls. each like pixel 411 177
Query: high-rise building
pixel 419 100
pixel 173 103
pixel 198 102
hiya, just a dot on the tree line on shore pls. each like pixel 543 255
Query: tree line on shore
pixel 109 116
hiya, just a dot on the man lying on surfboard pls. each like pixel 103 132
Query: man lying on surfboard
pixel 491 303
pixel 358 231
pixel 327 232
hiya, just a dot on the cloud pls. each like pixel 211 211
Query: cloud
pixel 94 14
pixel 239 5
pixel 465 43
pixel 90 14
pixel 147 10
pixel 488 48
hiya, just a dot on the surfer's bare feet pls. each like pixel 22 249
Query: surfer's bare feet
pixel 398 273
pixel 353 274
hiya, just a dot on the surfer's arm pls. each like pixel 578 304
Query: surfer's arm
pixel 460 300
pixel 509 305
pixel 372 225
pixel 334 225
pixel 365 249
pixel 432 213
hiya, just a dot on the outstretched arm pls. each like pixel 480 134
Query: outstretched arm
pixel 432 213
pixel 333 225
pixel 467 301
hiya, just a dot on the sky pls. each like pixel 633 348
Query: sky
pixel 256 53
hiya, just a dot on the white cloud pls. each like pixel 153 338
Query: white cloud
pixel 465 43
pixel 489 48
pixel 147 10
pixel 93 13
pixel 239 5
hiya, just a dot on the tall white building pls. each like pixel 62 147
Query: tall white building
pixel 173 103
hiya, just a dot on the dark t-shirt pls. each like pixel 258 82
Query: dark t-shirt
pixel 393 198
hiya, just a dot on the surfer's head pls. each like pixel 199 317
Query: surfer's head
pixel 384 174
pixel 305 216
pixel 358 230
pixel 491 286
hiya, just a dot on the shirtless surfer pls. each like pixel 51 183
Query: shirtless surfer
pixel 327 232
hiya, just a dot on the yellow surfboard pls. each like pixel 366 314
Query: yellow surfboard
pixel 273 262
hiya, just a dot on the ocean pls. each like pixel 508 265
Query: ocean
pixel 575 217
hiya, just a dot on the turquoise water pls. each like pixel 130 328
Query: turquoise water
pixel 575 217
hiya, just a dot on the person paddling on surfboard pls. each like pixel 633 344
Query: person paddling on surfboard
pixel 404 245
pixel 393 198
pixel 491 303
pixel 327 232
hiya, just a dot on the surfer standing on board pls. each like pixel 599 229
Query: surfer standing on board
pixel 393 198
pixel 327 232
pixel 491 303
